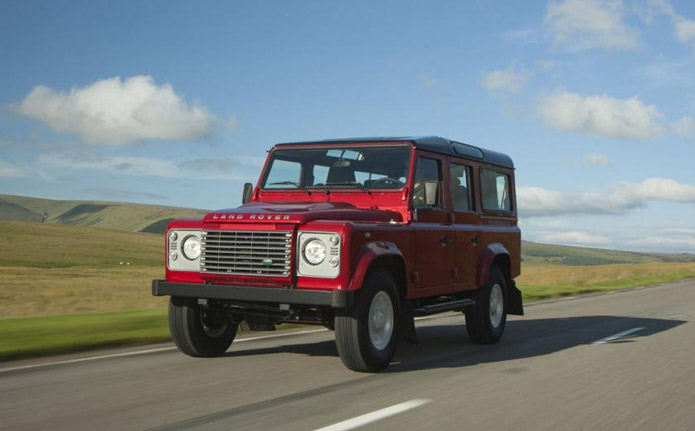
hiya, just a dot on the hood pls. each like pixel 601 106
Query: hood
pixel 299 212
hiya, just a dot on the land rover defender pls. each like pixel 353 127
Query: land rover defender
pixel 358 235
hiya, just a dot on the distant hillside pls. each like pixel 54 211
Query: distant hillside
pixel 106 215
pixel 131 217
pixel 534 253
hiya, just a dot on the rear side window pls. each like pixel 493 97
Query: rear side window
pixel 495 190
pixel 460 187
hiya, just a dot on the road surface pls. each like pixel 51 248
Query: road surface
pixel 618 361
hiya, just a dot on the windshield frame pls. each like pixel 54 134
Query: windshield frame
pixel 357 187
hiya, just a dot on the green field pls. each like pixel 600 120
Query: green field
pixel 81 280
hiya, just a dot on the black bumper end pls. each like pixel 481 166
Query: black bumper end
pixel 274 295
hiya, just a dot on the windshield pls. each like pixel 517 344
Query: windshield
pixel 368 168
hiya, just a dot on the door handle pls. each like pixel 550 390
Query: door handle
pixel 446 240
pixel 475 240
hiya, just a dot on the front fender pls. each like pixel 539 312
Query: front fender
pixel 367 255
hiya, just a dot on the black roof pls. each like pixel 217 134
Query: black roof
pixel 430 143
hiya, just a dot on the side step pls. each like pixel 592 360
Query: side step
pixel 443 307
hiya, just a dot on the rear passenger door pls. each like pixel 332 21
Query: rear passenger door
pixel 466 223
pixel 498 210
pixel 434 233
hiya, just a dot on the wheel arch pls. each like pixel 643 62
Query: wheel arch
pixel 380 255
pixel 495 254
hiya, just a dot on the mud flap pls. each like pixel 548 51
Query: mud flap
pixel 514 302
pixel 408 333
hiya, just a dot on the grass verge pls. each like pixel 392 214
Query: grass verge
pixel 29 337
pixel 548 281
pixel 48 335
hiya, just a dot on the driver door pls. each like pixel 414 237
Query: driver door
pixel 434 232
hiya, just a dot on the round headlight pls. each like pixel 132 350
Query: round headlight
pixel 191 247
pixel 314 251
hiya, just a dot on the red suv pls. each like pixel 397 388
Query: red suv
pixel 358 235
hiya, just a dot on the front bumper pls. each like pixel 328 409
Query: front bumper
pixel 274 295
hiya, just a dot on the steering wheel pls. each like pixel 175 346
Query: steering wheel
pixel 386 182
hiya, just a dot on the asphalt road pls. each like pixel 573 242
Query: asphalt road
pixel 554 369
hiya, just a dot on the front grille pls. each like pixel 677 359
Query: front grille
pixel 246 252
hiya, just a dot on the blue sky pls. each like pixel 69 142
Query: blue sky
pixel 176 104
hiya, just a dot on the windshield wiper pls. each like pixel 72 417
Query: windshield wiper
pixel 345 183
pixel 286 183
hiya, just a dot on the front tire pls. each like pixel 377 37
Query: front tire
pixel 485 321
pixel 196 332
pixel 367 334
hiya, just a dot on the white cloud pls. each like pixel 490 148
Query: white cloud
pixel 595 159
pixel 639 237
pixel 585 24
pixel 600 115
pixel 625 196
pixel 509 79
pixel 573 237
pixel 685 30
pixel 539 202
pixel 657 189
pixel 195 169
pixel 9 170
pixel 685 127
pixel 115 112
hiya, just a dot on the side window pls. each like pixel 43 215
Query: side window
pixel 427 187
pixel 283 174
pixel 495 190
pixel 460 189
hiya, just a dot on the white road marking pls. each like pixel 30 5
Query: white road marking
pixel 618 335
pixel 374 416
pixel 89 358
pixel 144 352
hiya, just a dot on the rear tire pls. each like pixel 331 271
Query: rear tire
pixel 485 321
pixel 195 332
pixel 367 334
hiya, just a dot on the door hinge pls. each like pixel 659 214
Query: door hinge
pixel 415 277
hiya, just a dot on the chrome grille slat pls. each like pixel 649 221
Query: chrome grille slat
pixel 243 252
pixel 245 247
pixel 277 254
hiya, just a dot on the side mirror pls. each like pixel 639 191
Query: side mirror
pixel 248 192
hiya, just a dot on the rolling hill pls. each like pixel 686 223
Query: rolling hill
pixel 129 217
pixel 119 216
pixel 535 253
